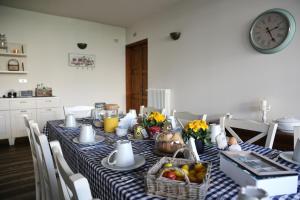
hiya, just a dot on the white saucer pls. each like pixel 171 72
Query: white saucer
pixel 288 156
pixel 98 138
pixel 64 126
pixel 139 161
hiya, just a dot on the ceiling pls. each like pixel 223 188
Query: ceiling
pixel 115 12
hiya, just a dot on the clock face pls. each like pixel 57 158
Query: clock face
pixel 270 30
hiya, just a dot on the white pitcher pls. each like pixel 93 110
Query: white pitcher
pixel 123 154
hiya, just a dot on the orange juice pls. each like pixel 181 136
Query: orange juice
pixel 110 124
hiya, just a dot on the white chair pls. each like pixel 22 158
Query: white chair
pixel 296 134
pixel 184 117
pixel 74 186
pixel 79 111
pixel 37 173
pixel 148 110
pixel 264 129
pixel 45 161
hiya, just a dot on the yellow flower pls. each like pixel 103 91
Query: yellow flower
pixel 197 125
pixel 158 117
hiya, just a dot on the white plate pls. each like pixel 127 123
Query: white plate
pixel 139 161
pixel 98 139
pixel 63 126
pixel 288 156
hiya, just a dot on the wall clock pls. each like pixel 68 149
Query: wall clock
pixel 272 30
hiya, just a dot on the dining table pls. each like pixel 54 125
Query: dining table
pixel 108 184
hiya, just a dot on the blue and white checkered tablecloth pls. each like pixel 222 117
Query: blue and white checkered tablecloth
pixel 108 184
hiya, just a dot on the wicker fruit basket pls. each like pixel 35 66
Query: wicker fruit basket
pixel 156 184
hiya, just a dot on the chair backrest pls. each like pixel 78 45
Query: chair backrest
pixel 296 135
pixel 265 129
pixel 45 160
pixel 79 111
pixel 74 186
pixel 148 110
pixel 29 134
pixel 184 117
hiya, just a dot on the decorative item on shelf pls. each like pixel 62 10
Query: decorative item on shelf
pixel 13 65
pixel 23 69
pixel 264 107
pixel 3 42
pixel 42 91
pixel 175 35
pixel 82 45
pixel 16 51
pixel 82 60
pixel 198 129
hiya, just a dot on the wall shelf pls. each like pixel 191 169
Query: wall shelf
pixel 13 54
pixel 13 72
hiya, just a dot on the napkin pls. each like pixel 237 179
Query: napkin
pixel 128 121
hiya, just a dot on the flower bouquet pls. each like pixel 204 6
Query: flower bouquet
pixel 154 123
pixel 197 129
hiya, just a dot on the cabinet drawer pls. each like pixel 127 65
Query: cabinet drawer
pixel 16 104
pixel 48 103
pixel 4 104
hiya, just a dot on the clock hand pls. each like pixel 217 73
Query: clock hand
pixel 269 32
pixel 276 27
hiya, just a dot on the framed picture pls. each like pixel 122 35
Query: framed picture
pixel 82 60
pixel 257 164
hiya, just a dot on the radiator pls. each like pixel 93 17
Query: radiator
pixel 160 99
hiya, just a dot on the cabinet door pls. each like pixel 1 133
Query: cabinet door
pixel 47 114
pixel 17 121
pixel 4 125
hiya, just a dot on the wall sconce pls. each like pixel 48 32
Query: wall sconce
pixel 82 45
pixel 175 35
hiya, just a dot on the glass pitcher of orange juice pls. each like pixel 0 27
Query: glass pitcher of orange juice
pixel 110 122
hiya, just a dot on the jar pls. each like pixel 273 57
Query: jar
pixel 168 142
pixel 112 109
pixel 110 122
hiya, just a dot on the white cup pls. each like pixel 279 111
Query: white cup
pixel 70 121
pixel 87 134
pixel 296 154
pixel 123 154
pixel 133 112
pixel 252 193
pixel 121 131
pixel 215 129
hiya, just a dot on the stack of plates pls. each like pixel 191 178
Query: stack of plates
pixel 287 124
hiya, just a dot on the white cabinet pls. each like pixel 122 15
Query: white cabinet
pixel 47 114
pixel 4 125
pixel 39 109
pixel 17 121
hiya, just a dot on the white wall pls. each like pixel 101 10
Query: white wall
pixel 49 39
pixel 213 68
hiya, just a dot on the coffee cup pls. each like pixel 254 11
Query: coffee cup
pixel 252 193
pixel 121 131
pixel 87 134
pixel 215 129
pixel 296 154
pixel 70 121
pixel 123 155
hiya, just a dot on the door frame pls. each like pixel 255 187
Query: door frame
pixel 128 74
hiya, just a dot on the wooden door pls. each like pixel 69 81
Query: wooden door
pixel 136 74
